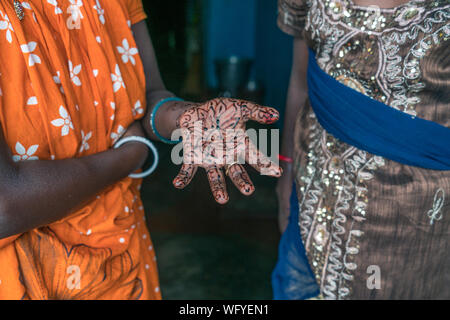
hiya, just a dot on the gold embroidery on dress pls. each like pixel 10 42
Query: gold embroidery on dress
pixel 333 188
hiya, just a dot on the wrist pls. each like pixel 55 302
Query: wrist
pixel 139 153
pixel 178 112
pixel 164 116
pixel 136 153
pixel 288 169
pixel 184 106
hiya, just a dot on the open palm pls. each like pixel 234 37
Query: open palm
pixel 214 138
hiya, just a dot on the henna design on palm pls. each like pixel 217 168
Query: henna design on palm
pixel 214 138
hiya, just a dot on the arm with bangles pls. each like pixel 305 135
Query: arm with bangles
pixel 297 95
pixel 220 114
pixel 36 193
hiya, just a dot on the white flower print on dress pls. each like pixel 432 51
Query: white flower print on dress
pixel 5 24
pixel 24 154
pixel 29 48
pixel 74 71
pixel 57 80
pixel 32 101
pixel 117 79
pixel 27 6
pixel 113 106
pixel 100 11
pixel 127 52
pixel 85 139
pixel 65 122
pixel 116 135
pixel 55 4
pixel 138 109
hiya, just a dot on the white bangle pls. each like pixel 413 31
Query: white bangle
pixel 151 146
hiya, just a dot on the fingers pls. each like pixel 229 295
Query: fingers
pixel 241 180
pixel 260 161
pixel 184 177
pixel 216 180
pixel 255 112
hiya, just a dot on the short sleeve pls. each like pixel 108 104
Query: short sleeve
pixel 292 16
pixel 136 11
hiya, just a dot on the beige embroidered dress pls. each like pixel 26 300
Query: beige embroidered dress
pixel 373 228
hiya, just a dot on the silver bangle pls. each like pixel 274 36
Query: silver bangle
pixel 151 146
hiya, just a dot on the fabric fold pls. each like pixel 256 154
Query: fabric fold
pixel 372 126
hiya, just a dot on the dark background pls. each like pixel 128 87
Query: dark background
pixel 205 250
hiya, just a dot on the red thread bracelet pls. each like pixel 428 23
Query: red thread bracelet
pixel 285 159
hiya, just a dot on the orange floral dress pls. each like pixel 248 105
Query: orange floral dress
pixel 71 81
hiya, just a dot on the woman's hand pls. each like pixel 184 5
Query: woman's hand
pixel 284 190
pixel 214 138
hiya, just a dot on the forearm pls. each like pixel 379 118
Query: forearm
pixel 293 106
pixel 287 143
pixel 37 193
pixel 296 97
pixel 166 117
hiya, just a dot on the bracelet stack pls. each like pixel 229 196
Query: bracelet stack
pixel 153 117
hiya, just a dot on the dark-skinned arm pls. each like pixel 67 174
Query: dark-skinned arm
pixel 166 118
pixel 37 193
pixel 297 94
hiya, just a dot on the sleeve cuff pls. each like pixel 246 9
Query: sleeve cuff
pixel 137 16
